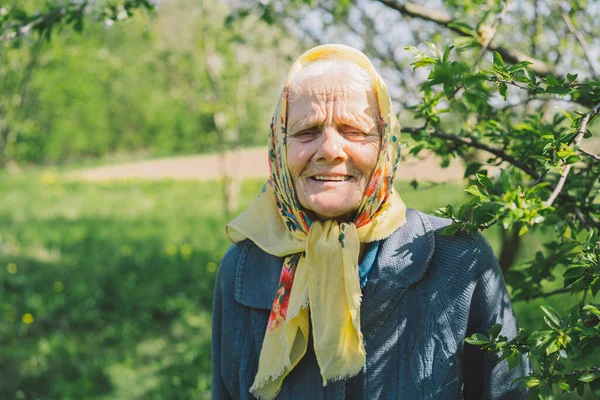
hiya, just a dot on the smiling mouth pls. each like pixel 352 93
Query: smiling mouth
pixel 331 178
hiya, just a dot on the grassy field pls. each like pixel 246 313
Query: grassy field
pixel 107 287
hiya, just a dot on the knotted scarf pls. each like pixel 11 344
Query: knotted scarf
pixel 320 268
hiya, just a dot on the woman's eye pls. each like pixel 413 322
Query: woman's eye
pixel 304 135
pixel 355 133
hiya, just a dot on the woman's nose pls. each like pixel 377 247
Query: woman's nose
pixel 331 146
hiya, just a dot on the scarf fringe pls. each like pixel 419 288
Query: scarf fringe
pixel 263 382
pixel 338 378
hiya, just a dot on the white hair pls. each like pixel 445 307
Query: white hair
pixel 358 77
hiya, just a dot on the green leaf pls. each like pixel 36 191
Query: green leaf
pixel 559 90
pixel 574 272
pixel 422 62
pixel 447 53
pixel 513 359
pixel 595 286
pixel 477 339
pixel 463 43
pixel 472 167
pixel 589 376
pixel 572 77
pixel 494 331
pixel 592 237
pixel 591 309
pixel 486 182
pixel 524 229
pixel 551 80
pixel 464 28
pixel 572 159
pixel 415 51
pixel 531 382
pixel 433 49
pixel 546 393
pixel 450 229
pixel 553 316
pixel 530 75
pixel 566 114
pixel 498 61
pixel 474 190
pixel 550 345
pixel 503 90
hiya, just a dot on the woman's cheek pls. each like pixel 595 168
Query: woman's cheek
pixel 296 158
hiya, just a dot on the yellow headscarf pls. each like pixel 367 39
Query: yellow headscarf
pixel 320 268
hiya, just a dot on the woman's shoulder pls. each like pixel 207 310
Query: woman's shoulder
pixel 231 259
pixel 251 273
pixel 458 249
pixel 460 239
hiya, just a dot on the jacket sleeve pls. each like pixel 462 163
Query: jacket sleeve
pixel 483 376
pixel 219 391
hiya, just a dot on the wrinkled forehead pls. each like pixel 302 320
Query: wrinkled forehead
pixel 334 74
pixel 339 84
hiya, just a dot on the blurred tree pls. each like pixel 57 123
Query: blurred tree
pixel 511 87
pixel 139 85
pixel 220 69
pixel 24 25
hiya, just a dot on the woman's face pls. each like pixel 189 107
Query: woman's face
pixel 333 143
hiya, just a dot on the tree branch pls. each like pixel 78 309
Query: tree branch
pixel 511 82
pixel 478 145
pixel 488 40
pixel 542 295
pixel 389 56
pixel 467 141
pixel 585 120
pixel 50 17
pixel 582 42
pixel 589 154
pixel 512 56
pixel 578 372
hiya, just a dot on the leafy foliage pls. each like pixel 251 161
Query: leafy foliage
pixel 531 189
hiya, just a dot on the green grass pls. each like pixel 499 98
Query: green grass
pixel 106 288
pixel 118 279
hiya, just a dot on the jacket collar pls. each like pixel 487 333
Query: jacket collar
pixel 403 260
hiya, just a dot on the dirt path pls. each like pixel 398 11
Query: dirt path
pixel 248 163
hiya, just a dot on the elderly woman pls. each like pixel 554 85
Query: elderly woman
pixel 333 288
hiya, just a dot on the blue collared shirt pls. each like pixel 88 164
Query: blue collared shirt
pixel 367 263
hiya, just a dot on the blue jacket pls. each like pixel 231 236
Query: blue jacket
pixel 425 295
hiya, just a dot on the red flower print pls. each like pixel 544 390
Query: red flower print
pixel 282 296
pixel 375 179
pixel 362 219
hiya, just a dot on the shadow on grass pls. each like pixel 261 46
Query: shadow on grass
pixel 110 309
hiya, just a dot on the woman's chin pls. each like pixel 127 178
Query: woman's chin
pixel 337 211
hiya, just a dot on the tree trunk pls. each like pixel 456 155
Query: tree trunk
pixel 511 241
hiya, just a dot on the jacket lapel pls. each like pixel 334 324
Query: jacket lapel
pixel 257 277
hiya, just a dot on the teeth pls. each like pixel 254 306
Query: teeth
pixel 331 178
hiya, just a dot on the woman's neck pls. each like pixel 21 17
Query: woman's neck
pixel 362 251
